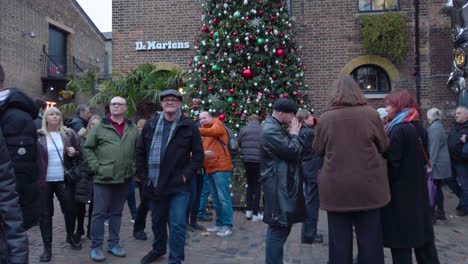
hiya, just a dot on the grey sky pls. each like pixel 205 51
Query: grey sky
pixel 100 11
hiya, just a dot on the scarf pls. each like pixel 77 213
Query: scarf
pixel 154 159
pixel 404 116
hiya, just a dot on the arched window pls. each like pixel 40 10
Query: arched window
pixel 378 5
pixel 372 79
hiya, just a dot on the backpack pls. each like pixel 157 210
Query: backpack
pixel 233 144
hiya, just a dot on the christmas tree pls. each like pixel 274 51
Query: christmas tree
pixel 245 59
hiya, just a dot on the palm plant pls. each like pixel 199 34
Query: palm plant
pixel 141 86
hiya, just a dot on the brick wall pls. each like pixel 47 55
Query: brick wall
pixel 21 55
pixel 328 32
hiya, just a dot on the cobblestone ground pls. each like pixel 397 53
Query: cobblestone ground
pixel 246 245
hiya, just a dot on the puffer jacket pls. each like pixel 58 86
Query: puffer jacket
pixel 17 114
pixel 69 140
pixel 249 141
pixel 111 157
pixel 11 218
pixel 281 174
pixel 215 138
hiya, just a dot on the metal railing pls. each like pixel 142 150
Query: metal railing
pixel 61 66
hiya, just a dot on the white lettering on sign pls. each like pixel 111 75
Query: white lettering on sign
pixel 153 45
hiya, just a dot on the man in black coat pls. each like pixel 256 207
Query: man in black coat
pixel 80 122
pixel 281 177
pixel 459 164
pixel 17 114
pixel 10 212
pixel 310 165
pixel 171 139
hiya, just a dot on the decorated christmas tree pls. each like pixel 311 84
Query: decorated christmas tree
pixel 245 59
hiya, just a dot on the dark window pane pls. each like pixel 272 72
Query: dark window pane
pixel 371 79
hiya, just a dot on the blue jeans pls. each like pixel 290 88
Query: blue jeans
pixel 204 195
pixel 219 185
pixel 274 244
pixel 131 202
pixel 171 207
pixel 461 171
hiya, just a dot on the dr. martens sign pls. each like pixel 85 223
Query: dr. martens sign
pixel 154 45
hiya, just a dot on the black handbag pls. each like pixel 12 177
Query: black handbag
pixel 72 175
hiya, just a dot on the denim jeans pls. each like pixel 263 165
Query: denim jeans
pixel 171 207
pixel 131 202
pixel 204 195
pixel 219 185
pixel 462 175
pixel 274 244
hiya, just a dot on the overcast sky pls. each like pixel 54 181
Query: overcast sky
pixel 100 11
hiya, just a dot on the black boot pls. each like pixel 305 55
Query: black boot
pixel 47 254
pixel 76 245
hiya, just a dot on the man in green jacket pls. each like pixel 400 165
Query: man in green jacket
pixel 110 153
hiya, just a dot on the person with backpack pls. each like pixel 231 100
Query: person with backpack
pixel 218 166
pixel 249 142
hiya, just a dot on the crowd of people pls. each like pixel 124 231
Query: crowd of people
pixel 367 169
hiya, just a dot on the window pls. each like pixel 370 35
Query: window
pixel 377 5
pixel 372 79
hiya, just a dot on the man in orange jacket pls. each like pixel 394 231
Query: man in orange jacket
pixel 218 167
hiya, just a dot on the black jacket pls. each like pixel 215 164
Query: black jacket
pixel 77 123
pixel 407 219
pixel 183 157
pixel 454 143
pixel 84 187
pixel 17 114
pixel 249 142
pixel 10 213
pixel 281 174
pixel 310 159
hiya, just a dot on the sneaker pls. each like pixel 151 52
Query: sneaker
pixel 214 228
pixel 117 251
pixel 225 231
pixel 248 214
pixel 152 256
pixel 257 218
pixel 140 235
pixel 97 255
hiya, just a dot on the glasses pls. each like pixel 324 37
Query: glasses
pixel 117 104
pixel 173 100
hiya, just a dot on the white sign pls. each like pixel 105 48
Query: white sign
pixel 153 45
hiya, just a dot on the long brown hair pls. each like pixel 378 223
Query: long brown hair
pixel 345 92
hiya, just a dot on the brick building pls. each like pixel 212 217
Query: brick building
pixel 330 35
pixel 43 42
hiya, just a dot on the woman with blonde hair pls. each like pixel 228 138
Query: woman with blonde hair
pixel 57 146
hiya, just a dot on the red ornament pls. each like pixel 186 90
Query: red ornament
pixel 285 95
pixel 251 37
pixel 234 34
pixel 211 33
pixel 215 21
pixel 194 106
pixel 247 18
pixel 280 53
pixel 210 88
pixel 237 114
pixel 200 63
pixel 222 117
pixel 301 102
pixel 247 74
pixel 272 18
pixel 260 12
pixel 205 80
pixel 281 35
pixel 233 105
pixel 258 64
pixel 205 29
pixel 231 91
